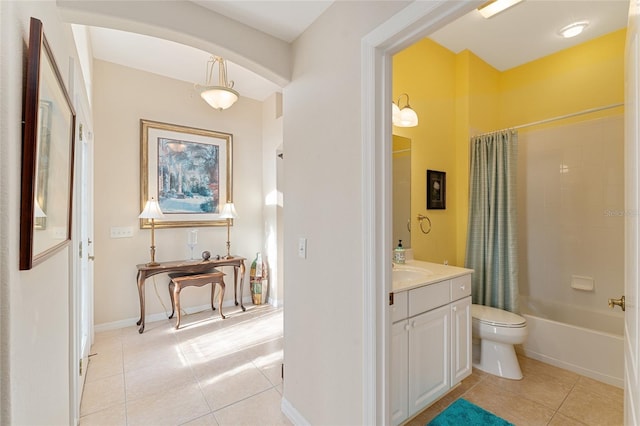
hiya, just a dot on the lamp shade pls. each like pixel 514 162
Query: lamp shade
pixel 151 210
pixel 37 211
pixel 228 211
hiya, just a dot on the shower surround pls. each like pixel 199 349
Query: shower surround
pixel 571 233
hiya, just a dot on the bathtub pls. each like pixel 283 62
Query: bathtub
pixel 586 342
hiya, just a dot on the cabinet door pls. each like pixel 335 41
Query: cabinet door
pixel 460 340
pixel 399 372
pixel 429 362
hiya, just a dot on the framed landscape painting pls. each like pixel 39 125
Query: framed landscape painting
pixel 189 172
pixel 47 155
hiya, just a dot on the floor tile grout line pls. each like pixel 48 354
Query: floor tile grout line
pixel 124 349
pixel 246 398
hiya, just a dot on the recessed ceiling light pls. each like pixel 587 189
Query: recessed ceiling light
pixel 574 29
pixel 494 7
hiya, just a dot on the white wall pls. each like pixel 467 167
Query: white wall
pixel 35 304
pixel 123 96
pixel 323 327
pixel 571 204
pixel 273 200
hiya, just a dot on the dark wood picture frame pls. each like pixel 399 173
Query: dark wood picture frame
pixel 436 190
pixel 47 155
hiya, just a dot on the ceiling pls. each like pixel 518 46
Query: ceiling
pixel 525 32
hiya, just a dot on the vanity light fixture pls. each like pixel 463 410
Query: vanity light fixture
pixel 228 213
pixel 221 96
pixel 574 29
pixel 403 116
pixel 152 211
pixel 494 7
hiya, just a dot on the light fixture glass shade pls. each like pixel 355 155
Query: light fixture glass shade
pixel 493 7
pixel 407 118
pixel 403 116
pixel 219 97
pixel 151 210
pixel 228 211
pixel 222 95
pixel 574 29
pixel 395 113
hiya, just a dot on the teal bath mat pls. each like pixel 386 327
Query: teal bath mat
pixel 462 412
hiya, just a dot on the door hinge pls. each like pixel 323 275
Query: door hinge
pixel 80 249
pixel 282 371
pixel 80 367
pixel 390 299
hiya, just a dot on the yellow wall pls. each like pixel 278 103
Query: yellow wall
pixel 586 76
pixel 477 107
pixel 456 96
pixel 425 72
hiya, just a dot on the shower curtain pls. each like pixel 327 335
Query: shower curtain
pixel 492 232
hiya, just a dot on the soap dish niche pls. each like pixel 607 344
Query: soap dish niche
pixel 582 283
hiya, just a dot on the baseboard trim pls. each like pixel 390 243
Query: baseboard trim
pixel 161 316
pixel 292 414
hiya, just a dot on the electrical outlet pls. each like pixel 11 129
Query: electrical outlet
pixel 121 232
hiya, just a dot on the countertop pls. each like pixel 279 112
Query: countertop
pixel 436 272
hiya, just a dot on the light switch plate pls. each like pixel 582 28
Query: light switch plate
pixel 302 247
pixel 121 232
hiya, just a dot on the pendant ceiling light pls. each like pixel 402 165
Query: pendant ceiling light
pixel 403 116
pixel 221 96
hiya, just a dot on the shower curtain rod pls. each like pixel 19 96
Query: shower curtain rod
pixel 561 117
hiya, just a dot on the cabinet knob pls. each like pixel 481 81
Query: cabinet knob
pixel 406 327
pixel 454 308
pixel 413 324
pixel 462 287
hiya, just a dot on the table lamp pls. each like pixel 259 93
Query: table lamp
pixel 152 211
pixel 228 213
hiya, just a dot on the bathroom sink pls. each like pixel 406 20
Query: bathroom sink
pixel 405 275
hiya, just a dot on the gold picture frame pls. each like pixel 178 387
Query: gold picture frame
pixel 188 170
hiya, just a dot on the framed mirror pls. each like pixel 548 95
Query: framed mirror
pixel 47 155
pixel 401 191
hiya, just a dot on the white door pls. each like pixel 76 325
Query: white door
pixel 632 207
pixel 83 281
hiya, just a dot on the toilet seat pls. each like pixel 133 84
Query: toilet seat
pixel 497 317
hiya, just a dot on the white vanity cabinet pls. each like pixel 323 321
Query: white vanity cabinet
pixel 430 344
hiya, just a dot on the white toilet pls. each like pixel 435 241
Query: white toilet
pixel 494 333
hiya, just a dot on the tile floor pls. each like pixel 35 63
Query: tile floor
pixel 546 395
pixel 209 372
pixel 215 372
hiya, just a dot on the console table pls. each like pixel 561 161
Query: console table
pixel 189 266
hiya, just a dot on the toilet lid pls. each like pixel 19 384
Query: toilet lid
pixel 497 317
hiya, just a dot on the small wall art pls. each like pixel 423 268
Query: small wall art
pixel 436 190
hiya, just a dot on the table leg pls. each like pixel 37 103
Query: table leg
pixel 235 284
pixel 222 286
pixel 176 301
pixel 241 286
pixel 141 278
